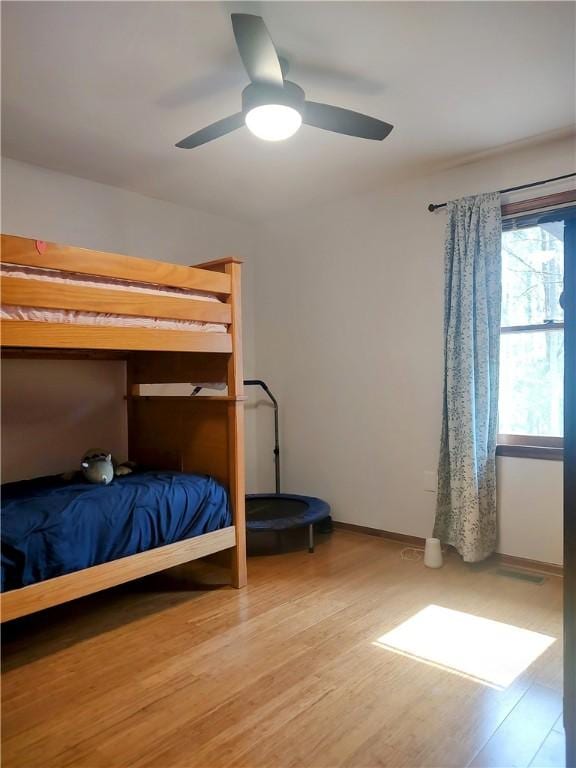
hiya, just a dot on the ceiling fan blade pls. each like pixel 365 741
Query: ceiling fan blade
pixel 214 131
pixel 256 49
pixel 345 121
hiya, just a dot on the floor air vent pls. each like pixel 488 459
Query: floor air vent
pixel 535 578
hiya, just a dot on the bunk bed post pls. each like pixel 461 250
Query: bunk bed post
pixel 236 428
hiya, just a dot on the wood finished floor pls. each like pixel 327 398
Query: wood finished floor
pixel 284 674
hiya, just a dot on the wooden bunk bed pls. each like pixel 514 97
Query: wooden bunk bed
pixel 188 434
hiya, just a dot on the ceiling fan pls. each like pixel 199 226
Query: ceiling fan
pixel 273 108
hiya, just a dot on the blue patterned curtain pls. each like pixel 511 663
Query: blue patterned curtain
pixel 466 504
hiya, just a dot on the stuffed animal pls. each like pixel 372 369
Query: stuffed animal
pixel 100 467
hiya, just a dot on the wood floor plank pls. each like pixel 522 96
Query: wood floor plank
pixel 522 733
pixel 559 725
pixel 284 674
pixel 552 753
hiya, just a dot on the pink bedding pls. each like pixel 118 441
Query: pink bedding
pixel 9 312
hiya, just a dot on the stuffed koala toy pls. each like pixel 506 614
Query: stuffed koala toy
pixel 100 467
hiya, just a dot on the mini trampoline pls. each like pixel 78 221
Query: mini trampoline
pixel 277 512
pixel 282 511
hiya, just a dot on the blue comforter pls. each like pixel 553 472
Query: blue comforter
pixel 51 527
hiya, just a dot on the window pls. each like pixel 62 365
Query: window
pixel 532 329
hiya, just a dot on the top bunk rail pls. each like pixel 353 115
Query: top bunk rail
pixel 37 253
pixel 159 306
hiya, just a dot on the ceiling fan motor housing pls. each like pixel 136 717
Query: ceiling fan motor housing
pixel 260 94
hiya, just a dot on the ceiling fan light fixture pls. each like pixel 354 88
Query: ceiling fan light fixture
pixel 274 108
pixel 273 122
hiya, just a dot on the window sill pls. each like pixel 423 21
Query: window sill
pixel 530 452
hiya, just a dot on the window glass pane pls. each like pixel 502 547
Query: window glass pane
pixel 532 383
pixel 532 274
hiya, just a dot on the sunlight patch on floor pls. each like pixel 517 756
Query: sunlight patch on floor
pixel 489 652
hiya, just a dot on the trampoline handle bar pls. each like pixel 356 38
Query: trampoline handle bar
pixel 264 386
pixel 260 383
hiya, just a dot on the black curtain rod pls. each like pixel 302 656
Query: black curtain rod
pixel 433 207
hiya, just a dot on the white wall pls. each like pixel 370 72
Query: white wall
pixel 347 323
pixel 54 411
pixel 85 399
pixel 349 336
pixel 530 506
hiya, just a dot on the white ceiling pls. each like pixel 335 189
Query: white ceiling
pixel 103 90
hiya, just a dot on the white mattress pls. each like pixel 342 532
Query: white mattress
pixel 38 314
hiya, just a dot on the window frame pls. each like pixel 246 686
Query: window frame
pixel 534 446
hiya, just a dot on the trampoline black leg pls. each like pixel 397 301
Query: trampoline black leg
pixel 311 538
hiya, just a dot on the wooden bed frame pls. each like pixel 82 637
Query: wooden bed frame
pixel 189 434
